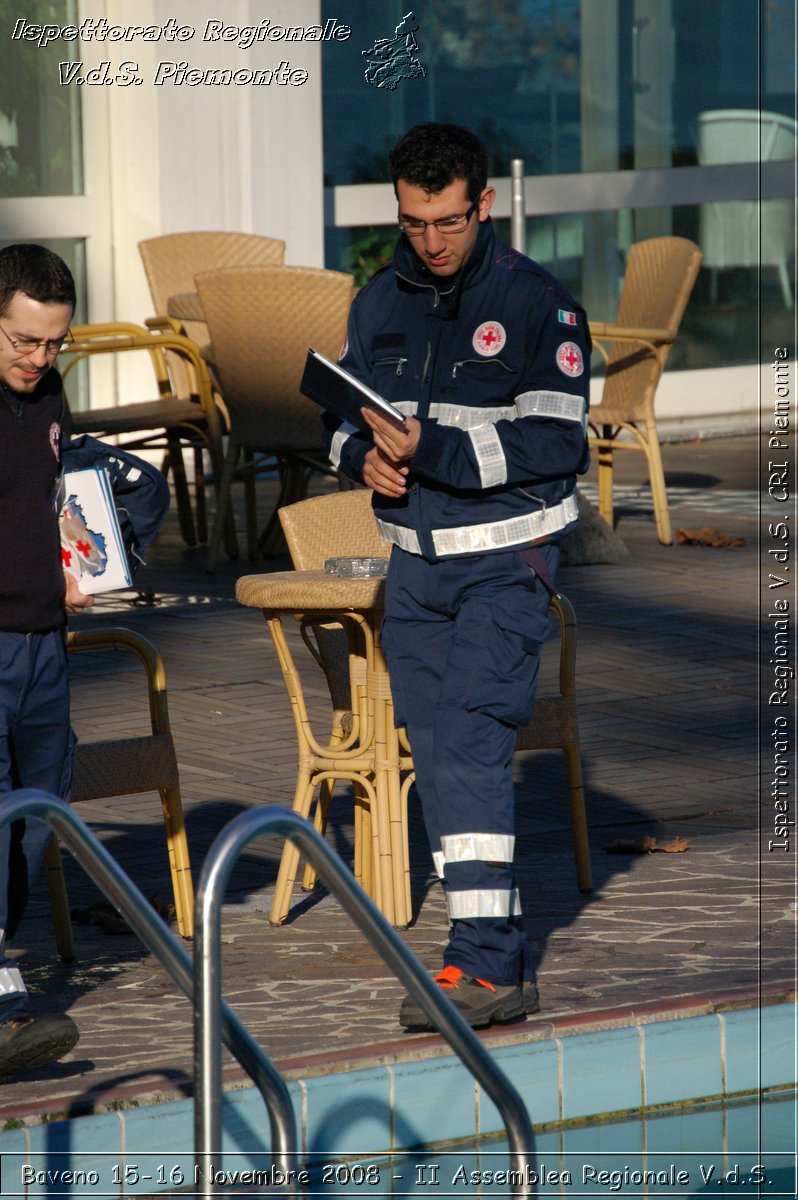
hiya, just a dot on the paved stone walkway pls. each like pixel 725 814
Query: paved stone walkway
pixel 667 673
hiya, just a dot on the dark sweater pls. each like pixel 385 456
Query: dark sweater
pixel 31 576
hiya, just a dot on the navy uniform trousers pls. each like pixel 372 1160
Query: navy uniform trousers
pixel 35 751
pixel 462 638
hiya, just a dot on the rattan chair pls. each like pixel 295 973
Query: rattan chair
pixel 171 421
pixel 261 321
pixel 125 767
pixel 660 276
pixel 170 263
pixel 342 524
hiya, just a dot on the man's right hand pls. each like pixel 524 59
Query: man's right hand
pixel 385 476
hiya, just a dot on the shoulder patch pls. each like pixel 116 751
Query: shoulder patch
pixel 566 317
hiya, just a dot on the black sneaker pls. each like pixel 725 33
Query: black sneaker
pixel 479 1002
pixel 529 991
pixel 35 1041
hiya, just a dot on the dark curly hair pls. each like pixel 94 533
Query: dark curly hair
pixel 433 155
pixel 37 272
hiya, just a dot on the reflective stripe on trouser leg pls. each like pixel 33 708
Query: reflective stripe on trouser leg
pixel 462 639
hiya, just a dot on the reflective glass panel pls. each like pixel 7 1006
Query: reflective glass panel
pixel 567 85
pixel 40 143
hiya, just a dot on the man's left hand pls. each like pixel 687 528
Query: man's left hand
pixel 397 444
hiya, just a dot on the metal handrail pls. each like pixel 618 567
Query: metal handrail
pixel 150 928
pixel 219 862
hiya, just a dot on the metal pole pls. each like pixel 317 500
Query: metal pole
pixel 517 206
pixel 154 933
pixel 219 864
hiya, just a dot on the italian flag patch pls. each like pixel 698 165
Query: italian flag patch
pixel 565 317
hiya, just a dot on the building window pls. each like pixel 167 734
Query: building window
pixel 585 89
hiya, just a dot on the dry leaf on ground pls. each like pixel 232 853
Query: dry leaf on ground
pixel 708 535
pixel 646 845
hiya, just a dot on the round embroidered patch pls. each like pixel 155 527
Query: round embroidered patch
pixel 489 338
pixel 570 360
pixel 54 435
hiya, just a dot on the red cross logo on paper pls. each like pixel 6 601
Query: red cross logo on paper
pixel 569 359
pixel 489 338
pixel 54 436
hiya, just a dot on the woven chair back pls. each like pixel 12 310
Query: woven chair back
pixel 172 260
pixel 660 276
pixel 261 321
pixel 339 525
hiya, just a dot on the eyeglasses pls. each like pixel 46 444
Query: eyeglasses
pixel 414 227
pixel 23 345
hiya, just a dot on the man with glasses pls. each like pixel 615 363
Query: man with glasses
pixel 37 300
pixel 488 358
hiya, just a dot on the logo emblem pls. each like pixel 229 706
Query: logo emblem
pixel 54 436
pixel 569 359
pixel 489 338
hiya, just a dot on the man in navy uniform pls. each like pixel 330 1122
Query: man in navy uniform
pixel 488 358
pixel 37 300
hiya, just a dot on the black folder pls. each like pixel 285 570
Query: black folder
pixel 339 392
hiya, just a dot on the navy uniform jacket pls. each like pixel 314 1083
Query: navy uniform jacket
pixel 495 364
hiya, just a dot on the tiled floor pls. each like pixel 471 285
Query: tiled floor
pixel 667 677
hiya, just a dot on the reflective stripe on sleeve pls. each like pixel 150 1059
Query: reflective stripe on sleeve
pixel 483 902
pixel 477 847
pixel 489 454
pixel 339 438
pixel 438 862
pixel 562 405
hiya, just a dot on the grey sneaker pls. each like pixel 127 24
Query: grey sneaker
pixel 480 1003
pixel 529 991
pixel 35 1041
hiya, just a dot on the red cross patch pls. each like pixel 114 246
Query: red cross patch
pixel 569 359
pixel 54 435
pixel 489 338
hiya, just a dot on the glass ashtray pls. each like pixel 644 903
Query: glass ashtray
pixel 357 568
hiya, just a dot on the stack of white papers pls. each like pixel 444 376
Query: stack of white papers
pixel 91 541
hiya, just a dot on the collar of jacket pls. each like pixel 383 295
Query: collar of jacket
pixel 409 268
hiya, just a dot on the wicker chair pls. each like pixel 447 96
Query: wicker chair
pixel 660 275
pixel 172 260
pixel 342 524
pixel 125 767
pixel 176 418
pixel 261 322
pixel 170 263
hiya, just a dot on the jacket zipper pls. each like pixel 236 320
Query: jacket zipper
pixel 456 366
pixel 399 363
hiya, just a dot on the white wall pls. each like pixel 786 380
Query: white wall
pixel 196 157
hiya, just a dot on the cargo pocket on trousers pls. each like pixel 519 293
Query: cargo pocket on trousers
pixel 504 667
